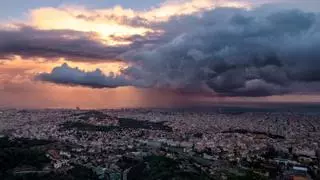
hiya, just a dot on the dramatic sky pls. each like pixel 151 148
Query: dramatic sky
pixel 143 53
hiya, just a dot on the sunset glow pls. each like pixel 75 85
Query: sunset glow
pixel 116 21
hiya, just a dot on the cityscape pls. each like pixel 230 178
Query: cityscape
pixel 161 144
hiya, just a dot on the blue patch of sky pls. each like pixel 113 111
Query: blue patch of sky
pixel 15 9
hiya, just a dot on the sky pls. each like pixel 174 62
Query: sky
pixel 117 54
pixel 19 8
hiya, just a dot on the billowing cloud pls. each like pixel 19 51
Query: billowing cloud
pixel 246 53
pixel 235 52
pixel 67 75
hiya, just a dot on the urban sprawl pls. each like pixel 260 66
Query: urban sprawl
pixel 151 144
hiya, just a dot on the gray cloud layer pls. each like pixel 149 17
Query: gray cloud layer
pixel 231 52
pixel 30 42
pixel 65 74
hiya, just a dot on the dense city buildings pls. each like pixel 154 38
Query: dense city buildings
pixel 117 144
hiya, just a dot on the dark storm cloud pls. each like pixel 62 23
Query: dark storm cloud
pixel 67 75
pixel 30 42
pixel 231 52
pixel 235 53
